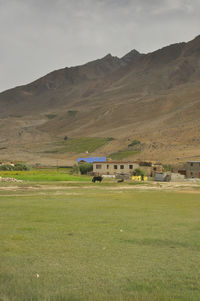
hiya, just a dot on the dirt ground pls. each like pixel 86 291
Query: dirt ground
pixel 186 186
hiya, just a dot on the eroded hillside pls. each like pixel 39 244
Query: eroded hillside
pixel 153 98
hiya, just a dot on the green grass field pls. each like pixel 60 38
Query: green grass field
pixel 98 242
pixel 45 175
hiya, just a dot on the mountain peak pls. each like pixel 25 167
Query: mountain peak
pixel 130 56
pixel 108 55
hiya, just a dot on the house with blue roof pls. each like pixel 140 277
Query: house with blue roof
pixel 91 160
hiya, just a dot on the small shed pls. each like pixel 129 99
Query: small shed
pixel 162 176
pixel 169 176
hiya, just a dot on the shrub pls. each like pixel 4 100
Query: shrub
pixel 139 172
pixel 21 166
pixel 50 116
pixel 6 167
pixel 134 143
pixel 75 170
pixel 85 168
pixel 167 167
pixel 72 113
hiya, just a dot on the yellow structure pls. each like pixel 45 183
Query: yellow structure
pixel 138 178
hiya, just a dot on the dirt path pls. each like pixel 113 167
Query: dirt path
pixel 189 187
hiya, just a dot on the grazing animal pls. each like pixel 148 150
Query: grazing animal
pixel 121 180
pixel 97 178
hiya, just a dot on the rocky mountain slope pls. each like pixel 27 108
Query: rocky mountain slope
pixel 154 98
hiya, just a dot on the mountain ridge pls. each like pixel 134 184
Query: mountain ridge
pixel 138 96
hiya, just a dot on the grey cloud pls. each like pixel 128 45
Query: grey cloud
pixel 39 36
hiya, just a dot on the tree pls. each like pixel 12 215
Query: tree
pixel 75 170
pixel 167 167
pixel 139 172
pixel 85 168
pixel 21 166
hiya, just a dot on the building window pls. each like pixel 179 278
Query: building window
pixel 130 166
pixel 115 166
pixel 191 164
pixel 107 166
pixel 98 166
pixel 191 173
pixel 121 166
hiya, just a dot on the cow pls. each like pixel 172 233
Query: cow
pixel 97 178
pixel 120 181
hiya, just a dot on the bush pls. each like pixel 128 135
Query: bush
pixel 167 167
pixel 85 168
pixel 139 172
pixel 21 166
pixel 134 143
pixel 7 167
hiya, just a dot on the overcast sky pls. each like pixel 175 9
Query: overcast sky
pixel 39 36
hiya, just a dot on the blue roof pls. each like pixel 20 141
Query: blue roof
pixel 92 159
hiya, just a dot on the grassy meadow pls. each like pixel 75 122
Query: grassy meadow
pixel 98 242
pixel 79 145
pixel 45 175
pixel 123 154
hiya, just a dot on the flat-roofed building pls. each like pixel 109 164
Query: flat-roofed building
pixel 150 168
pixel 114 167
pixel 193 169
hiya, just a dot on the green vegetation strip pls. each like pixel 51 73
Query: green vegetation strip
pixel 44 175
pixel 79 145
pixel 99 244
pixel 123 154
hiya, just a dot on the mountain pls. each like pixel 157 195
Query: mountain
pixel 153 98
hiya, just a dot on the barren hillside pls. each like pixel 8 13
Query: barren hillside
pixel 153 98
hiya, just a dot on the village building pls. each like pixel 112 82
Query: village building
pixel 150 168
pixel 114 167
pixel 119 167
pixel 91 160
pixel 182 171
pixel 193 169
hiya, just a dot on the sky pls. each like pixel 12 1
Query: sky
pixel 40 36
